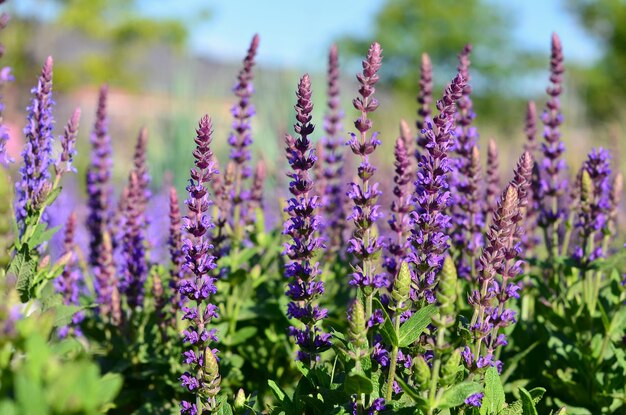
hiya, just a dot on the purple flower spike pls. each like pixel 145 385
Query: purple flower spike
pixel 499 257
pixel 401 207
pixel 364 244
pixel 530 129
pixel 534 192
pixel 69 283
pixel 202 379
pixel 175 245
pixel 240 138
pixel 333 158
pixel 596 204
pixel 135 268
pixel 140 166
pixel 35 185
pixel 98 177
pixel 552 184
pixel 429 239
pixel 302 226
pixel 424 100
pixel 68 144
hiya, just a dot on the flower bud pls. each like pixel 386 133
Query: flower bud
pixel 421 372
pixel 402 287
pixel 451 368
pixel 357 332
pixel 446 295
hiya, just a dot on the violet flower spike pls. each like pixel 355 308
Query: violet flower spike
pixel 257 188
pixel 68 145
pixel 34 186
pixel 240 138
pixel 135 268
pixel 333 157
pixel 399 223
pixel 69 283
pixel 552 184
pixel 175 243
pixel 98 178
pixel 429 239
pixel 5 78
pixel 202 378
pixel 302 226
pixel 534 192
pixel 424 100
pixel 364 244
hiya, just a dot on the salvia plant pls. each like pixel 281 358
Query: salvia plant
pixel 472 289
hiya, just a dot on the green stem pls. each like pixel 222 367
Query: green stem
pixel 432 393
pixel 394 357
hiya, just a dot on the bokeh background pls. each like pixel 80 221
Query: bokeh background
pixel 168 62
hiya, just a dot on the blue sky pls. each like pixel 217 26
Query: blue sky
pixel 294 32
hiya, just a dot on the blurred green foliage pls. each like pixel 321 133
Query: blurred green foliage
pixel 115 36
pixel 602 84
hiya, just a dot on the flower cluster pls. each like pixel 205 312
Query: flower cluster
pixel 34 186
pixel 98 177
pixel 302 226
pixel 424 100
pixel 202 377
pixel 552 184
pixel 429 238
pixel 364 244
pixel 332 170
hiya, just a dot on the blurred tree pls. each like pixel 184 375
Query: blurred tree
pixel 602 84
pixel 115 35
pixel 408 28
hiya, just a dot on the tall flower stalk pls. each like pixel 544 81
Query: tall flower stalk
pixel 333 156
pixel 240 139
pixel 177 258
pixel 430 223
pixel 552 184
pixel 5 78
pixel 499 258
pixel 98 178
pixel 202 378
pixel 34 186
pixel 424 101
pixel 534 192
pixel 302 226
pixel 492 180
pixel 365 245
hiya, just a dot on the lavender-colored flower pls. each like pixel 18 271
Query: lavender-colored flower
pixel 175 246
pixel 202 378
pixel 134 269
pixel 240 138
pixel 302 225
pixel 475 400
pixel 429 239
pixel 69 283
pixel 424 100
pixel 530 129
pixel 364 244
pixel 68 145
pixel 98 177
pixel 552 184
pixel 399 223
pixel 35 184
pixel 595 202
pixel 499 257
pixel 493 179
pixel 333 158
pixel 140 166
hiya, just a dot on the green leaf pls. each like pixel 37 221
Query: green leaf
pixel 493 400
pixel 63 313
pixel 457 394
pixel 516 407
pixel 415 326
pixel 386 329
pixel 52 196
pixel 223 408
pixel 41 235
pixel 109 386
pixel 358 383
pixel 278 393
pixel 528 406
pixel 23 267
pixel 241 335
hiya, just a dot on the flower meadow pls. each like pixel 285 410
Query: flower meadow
pixel 466 294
